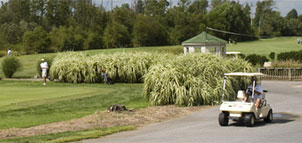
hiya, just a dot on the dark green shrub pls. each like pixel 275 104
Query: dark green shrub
pixel 242 56
pixel 3 53
pixel 10 65
pixel 272 56
pixel 49 62
pixel 256 59
pixel 171 50
pixel 293 55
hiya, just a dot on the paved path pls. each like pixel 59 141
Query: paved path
pixel 285 98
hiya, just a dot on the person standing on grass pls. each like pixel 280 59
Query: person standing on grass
pixel 44 68
pixel 9 52
pixel 107 79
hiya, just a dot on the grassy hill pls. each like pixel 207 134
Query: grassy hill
pixel 266 46
pixel 261 47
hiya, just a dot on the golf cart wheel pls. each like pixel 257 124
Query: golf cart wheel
pixel 269 117
pixel 249 120
pixel 223 119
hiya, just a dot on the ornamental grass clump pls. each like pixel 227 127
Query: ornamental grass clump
pixel 192 80
pixel 74 68
pixel 121 67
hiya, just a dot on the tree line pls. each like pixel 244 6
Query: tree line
pixel 42 26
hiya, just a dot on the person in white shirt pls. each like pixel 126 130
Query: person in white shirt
pixel 9 52
pixel 44 67
pixel 258 91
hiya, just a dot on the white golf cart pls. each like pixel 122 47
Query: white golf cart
pixel 240 110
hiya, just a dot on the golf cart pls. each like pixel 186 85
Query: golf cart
pixel 241 110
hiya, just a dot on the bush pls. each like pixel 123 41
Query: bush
pixel 3 53
pixel 194 79
pixel 121 67
pixel 272 56
pixel 287 64
pixel 256 59
pixel 49 62
pixel 293 55
pixel 172 50
pixel 10 65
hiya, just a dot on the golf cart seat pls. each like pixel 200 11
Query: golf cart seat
pixel 240 95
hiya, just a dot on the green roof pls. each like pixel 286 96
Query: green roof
pixel 204 38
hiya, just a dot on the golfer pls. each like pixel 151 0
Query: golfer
pixel 9 52
pixel 44 68
pixel 258 91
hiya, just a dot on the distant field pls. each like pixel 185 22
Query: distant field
pixel 266 46
pixel 25 104
pixel 261 47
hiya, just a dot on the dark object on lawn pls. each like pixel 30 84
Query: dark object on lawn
pixel 109 81
pixel 113 108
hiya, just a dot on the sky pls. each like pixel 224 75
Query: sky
pixel 284 6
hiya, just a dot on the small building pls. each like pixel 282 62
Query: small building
pixel 205 43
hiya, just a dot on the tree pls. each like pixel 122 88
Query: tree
pixel 156 7
pixel 139 7
pixel 292 14
pixel 230 16
pixel 36 41
pixel 215 3
pixel 263 11
pixel 84 13
pixel 12 33
pixel 20 10
pixel 116 35
pixel 124 16
pixel 199 6
pixel 292 27
pixel 66 39
pixel 38 10
pixel 94 40
pixel 151 34
pixel 58 12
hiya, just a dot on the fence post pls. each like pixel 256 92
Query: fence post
pixel 289 74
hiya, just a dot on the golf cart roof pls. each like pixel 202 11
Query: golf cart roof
pixel 243 74
pixel 233 53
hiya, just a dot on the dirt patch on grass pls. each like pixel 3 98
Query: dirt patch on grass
pixel 105 119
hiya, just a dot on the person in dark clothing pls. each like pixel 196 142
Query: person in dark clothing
pixel 107 79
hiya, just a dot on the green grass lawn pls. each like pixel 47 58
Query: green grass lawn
pixel 25 104
pixel 261 47
pixel 266 46
pixel 69 136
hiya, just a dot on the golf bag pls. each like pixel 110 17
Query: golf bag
pixel 109 81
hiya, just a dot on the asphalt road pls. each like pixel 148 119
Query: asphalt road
pixel 285 98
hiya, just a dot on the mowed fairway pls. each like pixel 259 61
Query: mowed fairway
pixel 25 104
pixel 266 46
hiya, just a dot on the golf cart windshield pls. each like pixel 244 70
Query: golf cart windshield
pixel 242 74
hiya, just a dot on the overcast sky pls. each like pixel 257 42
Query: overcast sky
pixel 284 6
